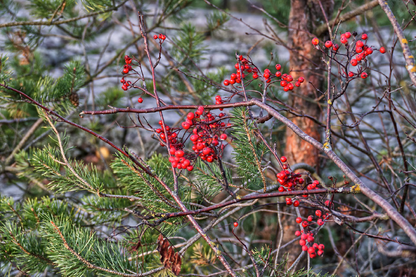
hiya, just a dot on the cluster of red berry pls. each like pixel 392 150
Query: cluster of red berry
pixel 177 155
pixel 291 181
pixel 246 65
pixel 162 37
pixel 307 242
pixel 307 237
pixel 361 50
pixel 207 136
pixel 126 69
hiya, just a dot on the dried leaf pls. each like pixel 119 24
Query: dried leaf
pixel 169 255
pixel 176 264
pixel 164 251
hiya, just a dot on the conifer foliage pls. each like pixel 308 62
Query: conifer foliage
pixel 176 167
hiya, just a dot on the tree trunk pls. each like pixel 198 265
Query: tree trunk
pixel 304 18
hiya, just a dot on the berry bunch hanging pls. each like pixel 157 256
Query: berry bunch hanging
pixel 291 181
pixel 244 65
pixel 161 37
pixel 357 54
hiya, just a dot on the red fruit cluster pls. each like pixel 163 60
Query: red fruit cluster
pixel 207 136
pixel 307 242
pixel 177 155
pixel 162 37
pixel 178 160
pixel 248 67
pixel 291 181
pixel 126 69
pixel 126 84
pixel 218 101
pixel 360 52
pixel 127 66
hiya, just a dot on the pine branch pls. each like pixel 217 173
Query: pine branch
pixel 60 22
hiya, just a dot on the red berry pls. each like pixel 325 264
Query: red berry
pixel 155 36
pixel 140 100
pixel 190 168
pixel 321 247
pixel 369 51
pixel 320 222
pixel 283 83
pixel 226 83
pixel 364 37
pixel 328 44
pixel 125 70
pixel 318 213
pixel 255 76
pixel 360 43
pixel 310 218
pixel 302 242
pixel 278 74
pixel 283 159
pixel 296 203
pixel 315 41
pixel 344 40
pixel 266 75
pixel 364 75
pixel 354 62
pixel 298 220
pixel 186 125
pixel 347 34
pixel 278 66
pixel 305 248
pixel 335 47
pixel 320 252
pixel 297 233
pixel 301 79
pixel 382 50
pixel 223 136
pixel 311 250
pixel 305 224
pixel 190 116
pixel 179 153
pixel 350 74
pixel 235 224
pixel 233 76
pixel 281 189
pixel 358 49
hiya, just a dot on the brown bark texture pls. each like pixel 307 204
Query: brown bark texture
pixel 305 16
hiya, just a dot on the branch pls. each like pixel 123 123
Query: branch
pixel 410 60
pixel 49 23
pixel 92 266
pixel 347 16
pixel 384 204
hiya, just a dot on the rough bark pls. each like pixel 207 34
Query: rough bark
pixel 305 16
